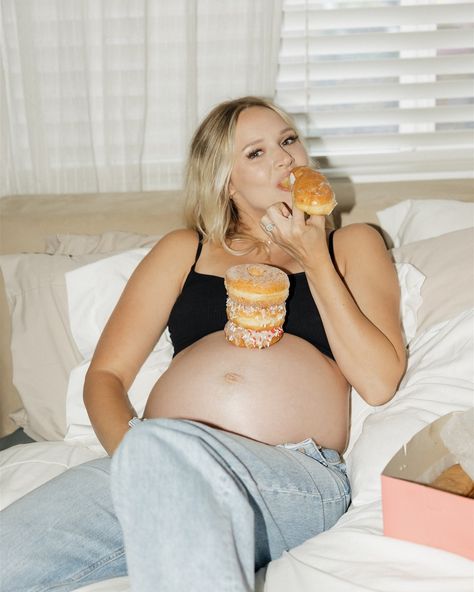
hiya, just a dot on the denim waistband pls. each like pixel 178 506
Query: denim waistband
pixel 326 456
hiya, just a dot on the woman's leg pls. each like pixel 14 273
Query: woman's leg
pixel 202 509
pixel 62 535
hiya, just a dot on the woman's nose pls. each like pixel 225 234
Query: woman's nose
pixel 283 158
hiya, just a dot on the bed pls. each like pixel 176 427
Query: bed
pixel 65 260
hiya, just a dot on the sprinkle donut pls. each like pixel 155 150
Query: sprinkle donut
pixel 255 305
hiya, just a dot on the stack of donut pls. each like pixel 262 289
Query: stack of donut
pixel 256 295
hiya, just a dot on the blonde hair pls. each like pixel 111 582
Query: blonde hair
pixel 209 208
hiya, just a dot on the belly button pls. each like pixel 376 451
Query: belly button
pixel 232 377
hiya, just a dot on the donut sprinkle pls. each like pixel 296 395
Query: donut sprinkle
pixel 259 317
pixel 250 338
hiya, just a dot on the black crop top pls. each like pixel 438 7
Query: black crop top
pixel 200 309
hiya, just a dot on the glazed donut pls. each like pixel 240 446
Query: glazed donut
pixel 311 191
pixel 256 295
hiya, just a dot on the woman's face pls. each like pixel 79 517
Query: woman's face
pixel 265 151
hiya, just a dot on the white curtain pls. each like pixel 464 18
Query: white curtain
pixel 103 95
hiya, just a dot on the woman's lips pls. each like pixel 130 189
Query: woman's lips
pixel 285 184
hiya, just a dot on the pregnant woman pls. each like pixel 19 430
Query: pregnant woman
pixel 240 456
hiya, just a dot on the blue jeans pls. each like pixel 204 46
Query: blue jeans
pixel 196 508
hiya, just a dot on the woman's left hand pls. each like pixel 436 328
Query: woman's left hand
pixel 302 238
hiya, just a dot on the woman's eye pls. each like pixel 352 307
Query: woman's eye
pixel 254 154
pixel 290 140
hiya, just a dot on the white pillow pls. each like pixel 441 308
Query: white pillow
pixel 439 379
pixel 411 282
pixel 447 262
pixel 418 219
pixel 42 349
pixel 106 243
pixel 93 291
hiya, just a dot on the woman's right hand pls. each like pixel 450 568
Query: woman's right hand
pixel 303 238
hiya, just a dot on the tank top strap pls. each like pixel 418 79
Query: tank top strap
pixel 331 245
pixel 198 251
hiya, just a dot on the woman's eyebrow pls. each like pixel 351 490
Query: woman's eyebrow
pixel 252 144
pixel 283 131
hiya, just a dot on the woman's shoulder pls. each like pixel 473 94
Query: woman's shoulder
pixel 179 235
pixel 358 230
pixel 358 235
pixel 180 240
pixel 357 243
pixel 175 249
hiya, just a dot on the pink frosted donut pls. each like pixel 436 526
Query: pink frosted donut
pixel 243 337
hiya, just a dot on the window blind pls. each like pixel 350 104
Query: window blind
pixel 382 89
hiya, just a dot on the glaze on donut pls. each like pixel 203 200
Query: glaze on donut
pixel 256 283
pixel 312 192
pixel 255 304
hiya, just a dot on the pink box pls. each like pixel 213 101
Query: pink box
pixel 415 512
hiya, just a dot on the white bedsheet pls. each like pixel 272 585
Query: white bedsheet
pixel 353 556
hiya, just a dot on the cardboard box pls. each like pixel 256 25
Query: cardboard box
pixel 415 512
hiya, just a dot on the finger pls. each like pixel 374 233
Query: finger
pixel 317 221
pixel 267 225
pixel 299 218
pixel 279 210
pixel 285 210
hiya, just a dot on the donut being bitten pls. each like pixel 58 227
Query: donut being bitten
pixel 312 192
pixel 256 295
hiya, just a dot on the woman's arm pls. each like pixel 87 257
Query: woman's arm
pixel 133 329
pixel 358 302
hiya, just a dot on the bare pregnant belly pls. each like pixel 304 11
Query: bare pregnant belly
pixel 284 393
